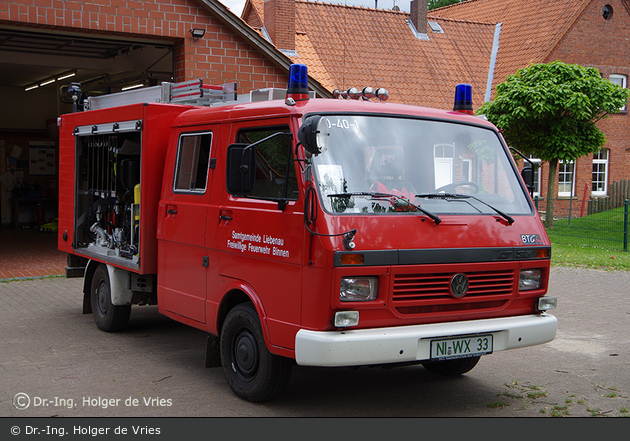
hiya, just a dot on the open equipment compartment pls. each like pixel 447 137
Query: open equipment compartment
pixel 107 206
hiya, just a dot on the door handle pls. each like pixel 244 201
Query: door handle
pixel 171 211
pixel 225 215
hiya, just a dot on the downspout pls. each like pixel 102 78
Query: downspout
pixel 493 61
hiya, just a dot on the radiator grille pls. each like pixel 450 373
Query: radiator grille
pixel 430 293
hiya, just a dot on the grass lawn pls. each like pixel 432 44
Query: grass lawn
pixel 594 241
pixel 589 257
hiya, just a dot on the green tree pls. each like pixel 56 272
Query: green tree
pixel 551 112
pixel 434 4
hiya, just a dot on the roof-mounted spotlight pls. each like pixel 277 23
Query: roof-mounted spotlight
pixel 353 93
pixel 197 33
pixel 336 93
pixel 368 93
pixel 382 94
pixel 75 93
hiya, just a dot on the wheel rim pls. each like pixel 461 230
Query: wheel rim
pixel 245 355
pixel 102 298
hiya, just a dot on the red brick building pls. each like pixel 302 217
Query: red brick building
pixel 107 45
pixel 592 33
pixel 478 41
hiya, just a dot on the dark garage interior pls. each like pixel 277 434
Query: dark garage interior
pixel 36 70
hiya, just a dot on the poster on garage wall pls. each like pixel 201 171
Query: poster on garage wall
pixel 42 158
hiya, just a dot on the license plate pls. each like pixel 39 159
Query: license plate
pixel 461 347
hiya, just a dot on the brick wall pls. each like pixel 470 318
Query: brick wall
pixel 603 44
pixel 220 56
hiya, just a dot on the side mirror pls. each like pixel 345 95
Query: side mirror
pixel 528 176
pixel 314 134
pixel 241 169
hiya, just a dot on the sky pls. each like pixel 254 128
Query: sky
pixel 236 6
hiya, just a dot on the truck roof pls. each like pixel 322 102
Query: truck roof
pixel 278 108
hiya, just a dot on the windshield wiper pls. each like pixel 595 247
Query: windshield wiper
pixel 507 217
pixel 435 219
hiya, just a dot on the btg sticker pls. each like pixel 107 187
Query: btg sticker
pixel 531 239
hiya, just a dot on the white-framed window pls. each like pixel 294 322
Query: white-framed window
pixel 600 173
pixel 620 80
pixel 467 169
pixel 565 178
pixel 443 163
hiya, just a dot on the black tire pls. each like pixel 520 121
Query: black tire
pixel 253 373
pixel 451 367
pixel 108 317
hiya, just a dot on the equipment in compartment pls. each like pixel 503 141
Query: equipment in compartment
pixel 108 194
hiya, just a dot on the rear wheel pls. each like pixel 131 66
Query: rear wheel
pixel 108 317
pixel 253 373
pixel 451 367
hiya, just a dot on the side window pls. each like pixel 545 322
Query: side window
pixel 191 168
pixel 275 169
pixel 620 80
pixel 565 178
pixel 600 173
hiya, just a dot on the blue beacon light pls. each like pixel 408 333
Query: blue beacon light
pixel 298 82
pixel 463 99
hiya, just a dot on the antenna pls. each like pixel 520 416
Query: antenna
pixel 345 26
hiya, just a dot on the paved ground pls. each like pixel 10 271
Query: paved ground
pixel 55 360
pixel 28 252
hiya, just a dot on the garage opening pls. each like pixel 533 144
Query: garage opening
pixel 36 70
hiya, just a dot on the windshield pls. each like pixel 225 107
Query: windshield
pixel 392 165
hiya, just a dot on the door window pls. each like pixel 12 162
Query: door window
pixel 191 168
pixel 275 169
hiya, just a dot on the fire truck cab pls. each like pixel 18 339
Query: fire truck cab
pixel 322 232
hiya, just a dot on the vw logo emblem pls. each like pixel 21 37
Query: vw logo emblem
pixel 459 285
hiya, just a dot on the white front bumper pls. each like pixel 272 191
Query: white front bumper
pixel 412 343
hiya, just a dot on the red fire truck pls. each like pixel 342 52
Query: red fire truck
pixel 316 232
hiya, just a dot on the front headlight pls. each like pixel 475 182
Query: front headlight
pixel 358 289
pixel 530 279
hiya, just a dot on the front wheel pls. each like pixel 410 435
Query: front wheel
pixel 108 317
pixel 253 373
pixel 451 367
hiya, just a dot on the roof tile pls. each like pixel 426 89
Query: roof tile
pixel 530 29
pixel 371 47
pixel 349 46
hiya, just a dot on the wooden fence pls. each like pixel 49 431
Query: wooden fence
pixel 618 192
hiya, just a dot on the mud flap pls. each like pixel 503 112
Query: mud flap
pixel 213 355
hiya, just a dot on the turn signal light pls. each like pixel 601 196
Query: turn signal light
pixel 352 259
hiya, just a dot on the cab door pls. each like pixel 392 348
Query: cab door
pixel 182 253
pixel 260 235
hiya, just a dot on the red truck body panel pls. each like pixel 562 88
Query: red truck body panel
pixel 205 246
